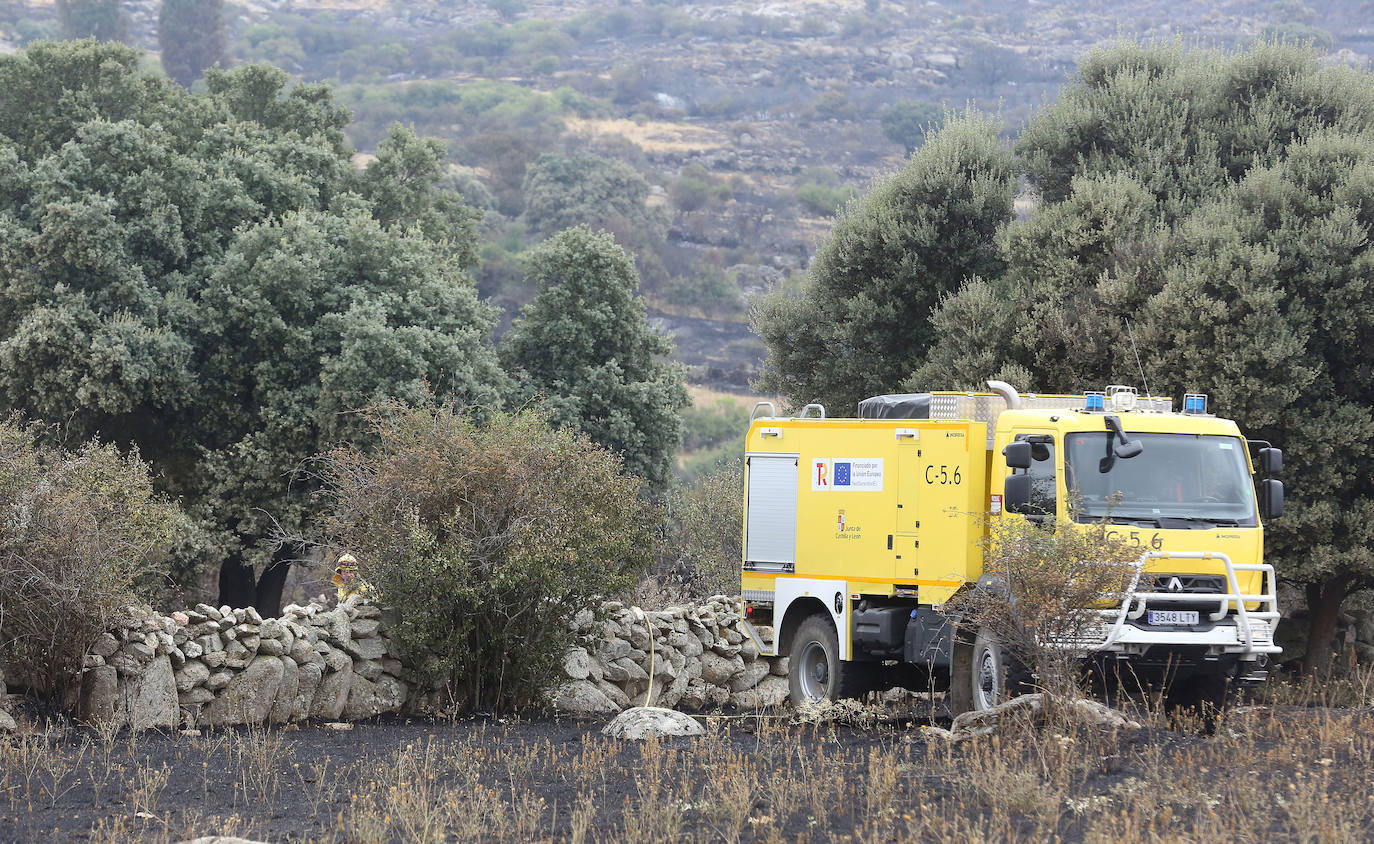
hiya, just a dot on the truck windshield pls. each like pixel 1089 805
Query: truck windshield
pixel 1182 480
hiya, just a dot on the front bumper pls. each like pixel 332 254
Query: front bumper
pixel 1226 625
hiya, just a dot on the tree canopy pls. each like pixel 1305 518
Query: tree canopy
pixel 862 322
pixel 191 36
pixel 584 344
pixel 207 277
pixel 1215 211
pixel 907 122
pixel 568 190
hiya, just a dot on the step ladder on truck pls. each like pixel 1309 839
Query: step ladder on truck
pixel 858 530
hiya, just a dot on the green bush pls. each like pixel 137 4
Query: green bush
pixel 79 531
pixel 704 538
pixel 487 538
pixel 821 192
pixel 708 290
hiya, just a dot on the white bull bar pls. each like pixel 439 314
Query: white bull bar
pixel 1251 635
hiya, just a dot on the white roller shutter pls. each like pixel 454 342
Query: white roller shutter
pixel 771 533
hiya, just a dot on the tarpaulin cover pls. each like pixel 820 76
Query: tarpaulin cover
pixel 903 406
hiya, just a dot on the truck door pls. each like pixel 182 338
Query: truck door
pixel 934 478
pixel 1044 496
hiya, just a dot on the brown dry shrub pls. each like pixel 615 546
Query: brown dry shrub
pixel 1045 586
pixel 78 532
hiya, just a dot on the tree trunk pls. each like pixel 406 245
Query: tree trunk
pixel 270 585
pixel 1324 608
pixel 237 584
pixel 239 587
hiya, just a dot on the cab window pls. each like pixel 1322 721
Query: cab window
pixel 1043 496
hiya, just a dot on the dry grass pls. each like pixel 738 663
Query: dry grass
pixel 651 135
pixel 1291 771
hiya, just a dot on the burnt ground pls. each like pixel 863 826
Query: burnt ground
pixel 1272 773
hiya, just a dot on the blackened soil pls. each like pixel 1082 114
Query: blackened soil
pixel 751 777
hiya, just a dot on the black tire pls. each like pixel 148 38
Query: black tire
pixel 994 676
pixel 814 668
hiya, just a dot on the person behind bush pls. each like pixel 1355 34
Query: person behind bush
pixel 349 586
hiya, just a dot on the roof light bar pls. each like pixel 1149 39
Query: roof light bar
pixel 1195 403
pixel 1094 401
pixel 1122 397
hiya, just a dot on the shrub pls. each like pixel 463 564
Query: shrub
pixel 486 538
pixel 78 531
pixel 705 532
pixel 820 191
pixel 1047 586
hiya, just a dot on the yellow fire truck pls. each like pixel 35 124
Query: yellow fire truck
pixel 857 531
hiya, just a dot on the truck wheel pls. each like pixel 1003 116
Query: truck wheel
pixel 814 668
pixel 994 676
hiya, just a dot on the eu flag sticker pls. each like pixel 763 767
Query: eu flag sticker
pixel 842 474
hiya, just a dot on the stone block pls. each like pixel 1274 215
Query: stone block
pixel 192 674
pixel 248 697
pixel 366 698
pixel 99 687
pixel 155 704
pixel 332 694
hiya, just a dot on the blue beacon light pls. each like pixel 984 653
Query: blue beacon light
pixel 1094 401
pixel 1195 403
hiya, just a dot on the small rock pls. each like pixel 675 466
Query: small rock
pixel 364 627
pixel 371 648
pixel 198 696
pixel 191 675
pixel 218 680
pixel 577 664
pixel 339 726
pixel 105 646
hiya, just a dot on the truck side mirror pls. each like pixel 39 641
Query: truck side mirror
pixel 1016 492
pixel 1271 461
pixel 1271 498
pixel 1018 455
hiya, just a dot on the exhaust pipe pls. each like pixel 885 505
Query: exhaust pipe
pixel 1007 392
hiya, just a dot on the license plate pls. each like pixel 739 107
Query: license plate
pixel 1173 616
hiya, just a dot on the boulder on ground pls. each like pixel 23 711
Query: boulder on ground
pixel 99 689
pixel 644 721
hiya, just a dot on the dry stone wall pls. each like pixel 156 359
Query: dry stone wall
pixel 219 666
